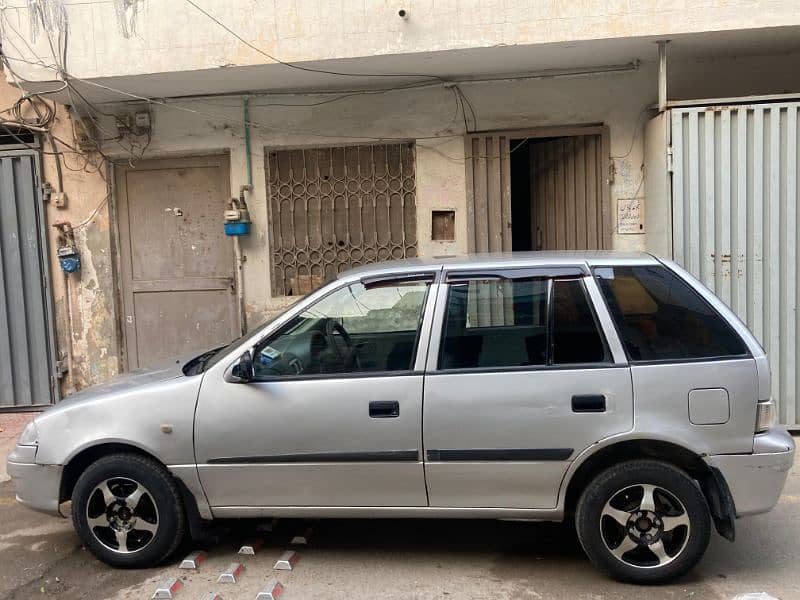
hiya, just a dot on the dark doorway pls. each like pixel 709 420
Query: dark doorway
pixel 557 193
pixel 521 200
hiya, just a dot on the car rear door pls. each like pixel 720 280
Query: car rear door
pixel 525 371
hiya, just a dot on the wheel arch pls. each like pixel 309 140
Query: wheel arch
pixel 81 460
pixel 710 480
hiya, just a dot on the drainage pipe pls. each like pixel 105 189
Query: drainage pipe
pixel 70 382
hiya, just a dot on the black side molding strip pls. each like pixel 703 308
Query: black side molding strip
pixel 500 454
pixel 314 457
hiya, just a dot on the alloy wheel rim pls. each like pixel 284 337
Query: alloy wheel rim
pixel 122 515
pixel 645 526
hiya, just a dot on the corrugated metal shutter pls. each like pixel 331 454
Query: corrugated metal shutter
pixel 25 338
pixel 569 190
pixel 488 193
pixel 735 225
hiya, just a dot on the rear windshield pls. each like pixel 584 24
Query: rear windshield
pixel 661 317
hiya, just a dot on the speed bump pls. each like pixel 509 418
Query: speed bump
pixel 251 547
pixel 272 591
pixel 193 560
pixel 231 574
pixel 287 561
pixel 303 539
pixel 168 588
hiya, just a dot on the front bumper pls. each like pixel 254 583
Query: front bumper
pixel 36 486
pixel 756 480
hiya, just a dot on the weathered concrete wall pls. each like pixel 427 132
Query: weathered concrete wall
pixel 93 335
pixel 619 100
pixel 162 37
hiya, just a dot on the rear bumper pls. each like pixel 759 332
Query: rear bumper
pixel 756 480
pixel 36 486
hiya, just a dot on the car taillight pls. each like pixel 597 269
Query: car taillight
pixel 766 415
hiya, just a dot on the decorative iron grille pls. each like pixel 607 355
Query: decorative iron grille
pixel 335 208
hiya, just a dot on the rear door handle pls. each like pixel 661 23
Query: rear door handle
pixel 384 409
pixel 589 403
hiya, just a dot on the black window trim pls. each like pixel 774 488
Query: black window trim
pixel 462 275
pixel 555 274
pixel 669 361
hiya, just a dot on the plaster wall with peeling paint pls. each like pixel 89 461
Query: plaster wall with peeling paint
pixel 93 335
pixel 620 101
pixel 141 49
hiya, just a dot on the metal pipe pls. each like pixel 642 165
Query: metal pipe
pixel 248 154
pixel 662 75
pixel 70 381
pixel 237 252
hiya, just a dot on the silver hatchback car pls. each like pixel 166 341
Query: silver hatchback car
pixel 612 389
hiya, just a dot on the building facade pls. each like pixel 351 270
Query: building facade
pixel 360 130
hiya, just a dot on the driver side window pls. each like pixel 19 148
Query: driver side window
pixel 356 329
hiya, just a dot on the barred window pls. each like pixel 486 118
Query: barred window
pixel 335 208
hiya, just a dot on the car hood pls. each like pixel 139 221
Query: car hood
pixel 126 381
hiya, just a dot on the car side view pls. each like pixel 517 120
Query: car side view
pixel 612 389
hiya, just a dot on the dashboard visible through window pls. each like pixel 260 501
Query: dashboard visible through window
pixel 358 328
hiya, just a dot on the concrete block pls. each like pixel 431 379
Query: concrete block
pixel 287 561
pixel 232 574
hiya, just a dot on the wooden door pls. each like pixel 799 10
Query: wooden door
pixel 177 265
pixel 569 192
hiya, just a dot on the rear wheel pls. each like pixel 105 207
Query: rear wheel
pixel 128 511
pixel 643 521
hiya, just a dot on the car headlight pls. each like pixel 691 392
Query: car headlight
pixel 29 435
pixel 766 415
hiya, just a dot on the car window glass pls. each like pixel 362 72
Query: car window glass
pixel 355 329
pixel 660 317
pixel 576 337
pixel 504 323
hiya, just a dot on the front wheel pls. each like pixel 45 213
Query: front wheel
pixel 643 521
pixel 128 511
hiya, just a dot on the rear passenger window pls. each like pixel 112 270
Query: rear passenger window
pixel 519 323
pixel 660 316
pixel 576 338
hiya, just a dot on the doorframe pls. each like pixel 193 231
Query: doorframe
pixel 121 236
pixel 547 131
pixel 47 276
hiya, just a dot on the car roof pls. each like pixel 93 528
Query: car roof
pixel 502 260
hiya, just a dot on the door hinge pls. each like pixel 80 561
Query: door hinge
pixel 61 369
pixel 670 166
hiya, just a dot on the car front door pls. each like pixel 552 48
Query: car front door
pixel 525 373
pixel 332 416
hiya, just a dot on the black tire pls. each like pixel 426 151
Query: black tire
pixel 169 521
pixel 593 529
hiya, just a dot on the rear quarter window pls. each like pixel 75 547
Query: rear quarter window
pixel 661 317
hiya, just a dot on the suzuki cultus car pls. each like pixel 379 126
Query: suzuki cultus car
pixel 612 389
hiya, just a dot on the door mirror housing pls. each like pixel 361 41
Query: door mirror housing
pixel 242 370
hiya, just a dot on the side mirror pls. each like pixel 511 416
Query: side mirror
pixel 242 370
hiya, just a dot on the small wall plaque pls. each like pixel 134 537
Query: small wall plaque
pixel 630 215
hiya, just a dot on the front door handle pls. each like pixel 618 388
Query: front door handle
pixel 382 409
pixel 589 403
